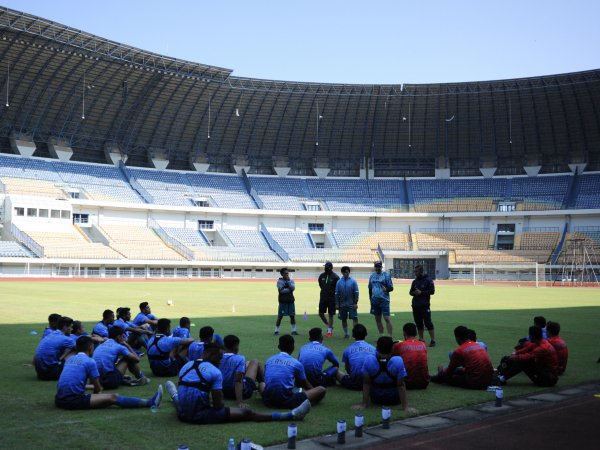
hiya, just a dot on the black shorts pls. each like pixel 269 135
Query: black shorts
pixel 248 388
pixel 385 396
pixel 73 401
pixel 422 317
pixel 48 373
pixel 111 380
pixel 172 369
pixel 327 305
pixel 283 400
pixel 355 384
pixel 207 416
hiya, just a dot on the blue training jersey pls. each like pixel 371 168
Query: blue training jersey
pixel 51 348
pixel 231 364
pixel 107 354
pixel 195 351
pixel 101 329
pixel 48 331
pixel 141 318
pixel 159 346
pixel 183 333
pixel 313 355
pixel 281 370
pixel 376 283
pixel 75 374
pixel 192 399
pixel 355 356
pixel 395 371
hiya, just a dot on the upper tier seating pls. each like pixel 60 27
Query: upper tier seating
pixel 160 179
pixel 32 168
pixel 321 255
pixel 295 187
pixel 10 249
pixel 332 188
pixel 137 242
pixel 281 202
pixel 230 254
pixel 588 192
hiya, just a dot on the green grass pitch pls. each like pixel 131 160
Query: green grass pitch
pixel 500 315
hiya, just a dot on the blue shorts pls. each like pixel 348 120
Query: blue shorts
pixel 248 388
pixel 73 401
pixel 284 400
pixel 48 373
pixel 380 307
pixel 385 396
pixel 160 369
pixel 111 380
pixel 355 384
pixel 207 416
pixel 346 312
pixel 286 309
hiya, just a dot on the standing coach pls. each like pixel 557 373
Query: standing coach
pixel 421 289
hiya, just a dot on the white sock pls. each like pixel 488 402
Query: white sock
pixel 294 327
pixel 276 328
pixel 346 331
pixel 330 330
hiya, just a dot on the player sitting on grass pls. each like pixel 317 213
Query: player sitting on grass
pixel 354 357
pixel 114 357
pixel 166 354
pixel 196 348
pixel 414 354
pixel 239 377
pixel 54 350
pixel 562 351
pixel 102 327
pixel 78 331
pixel 313 355
pixel 538 360
pixel 383 378
pixel 282 371
pixel 199 397
pixel 538 321
pixel 136 336
pixel 346 299
pixel 183 330
pixel 470 366
pixel 52 324
pixel 145 318
pixel 71 386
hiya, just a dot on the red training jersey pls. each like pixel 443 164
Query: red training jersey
pixel 562 352
pixel 544 356
pixel 414 354
pixel 475 361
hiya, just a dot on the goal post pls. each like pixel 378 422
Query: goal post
pixel 531 274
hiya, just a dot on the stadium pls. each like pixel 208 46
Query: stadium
pixel 121 164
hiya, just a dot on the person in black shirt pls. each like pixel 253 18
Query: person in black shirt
pixel 327 283
pixel 421 289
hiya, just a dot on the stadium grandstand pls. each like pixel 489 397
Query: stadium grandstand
pixel 119 162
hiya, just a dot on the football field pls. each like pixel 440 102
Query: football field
pixel 500 315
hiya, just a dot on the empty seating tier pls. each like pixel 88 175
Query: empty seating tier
pixel 137 242
pixel 68 242
pixel 451 241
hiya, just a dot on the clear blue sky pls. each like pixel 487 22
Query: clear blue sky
pixel 350 41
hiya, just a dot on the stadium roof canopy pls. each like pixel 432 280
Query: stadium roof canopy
pixel 88 93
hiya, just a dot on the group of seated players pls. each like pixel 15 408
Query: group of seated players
pixel 212 369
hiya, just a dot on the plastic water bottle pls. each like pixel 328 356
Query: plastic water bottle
pixel 231 444
pixel 246 444
pixel 341 431
pixel 499 397
pixel 386 414
pixel 292 432
pixel 359 421
pixel 33 333
pixel 183 447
